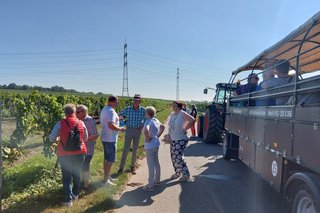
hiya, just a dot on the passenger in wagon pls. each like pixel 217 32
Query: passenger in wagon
pixel 267 75
pixel 246 88
pixel 282 68
pixel 282 71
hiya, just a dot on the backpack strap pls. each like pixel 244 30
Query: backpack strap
pixel 69 124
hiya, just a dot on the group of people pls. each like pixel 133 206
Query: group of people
pixel 281 70
pixel 79 126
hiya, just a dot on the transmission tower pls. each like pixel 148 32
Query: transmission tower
pixel 125 87
pixel 177 90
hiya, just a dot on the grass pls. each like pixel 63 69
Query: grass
pixel 35 185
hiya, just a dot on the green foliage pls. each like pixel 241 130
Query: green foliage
pixel 30 180
pixel 36 185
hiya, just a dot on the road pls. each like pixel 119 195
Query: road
pixel 217 185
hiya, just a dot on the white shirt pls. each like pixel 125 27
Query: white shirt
pixel 176 125
pixel 108 114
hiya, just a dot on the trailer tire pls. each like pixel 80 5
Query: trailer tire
pixel 200 126
pixel 212 125
pixel 304 201
pixel 225 147
pixel 230 146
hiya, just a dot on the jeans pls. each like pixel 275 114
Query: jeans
pixel 131 134
pixel 71 171
pixel 153 166
pixel 86 163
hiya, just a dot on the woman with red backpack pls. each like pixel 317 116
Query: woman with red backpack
pixel 71 134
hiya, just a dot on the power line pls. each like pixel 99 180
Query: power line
pixel 58 52
pixel 174 61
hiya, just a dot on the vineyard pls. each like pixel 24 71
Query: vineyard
pixel 36 113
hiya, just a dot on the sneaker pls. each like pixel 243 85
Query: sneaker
pixel 68 204
pixel 148 188
pixel 175 176
pixel 108 183
pixel 75 197
pixel 184 178
pixel 112 179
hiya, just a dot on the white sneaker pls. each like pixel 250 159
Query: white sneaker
pixel 68 204
pixel 112 179
pixel 108 183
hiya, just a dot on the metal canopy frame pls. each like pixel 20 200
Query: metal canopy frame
pixel 304 30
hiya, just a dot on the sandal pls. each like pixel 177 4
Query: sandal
pixel 184 178
pixel 175 176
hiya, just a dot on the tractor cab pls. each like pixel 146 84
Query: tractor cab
pixel 223 92
pixel 211 124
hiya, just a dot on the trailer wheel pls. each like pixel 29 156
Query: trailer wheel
pixel 225 147
pixel 230 145
pixel 200 126
pixel 213 125
pixel 304 201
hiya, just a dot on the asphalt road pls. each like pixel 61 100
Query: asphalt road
pixel 217 185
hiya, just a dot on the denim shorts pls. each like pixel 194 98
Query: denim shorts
pixel 110 149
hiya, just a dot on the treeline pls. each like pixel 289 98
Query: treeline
pixel 13 86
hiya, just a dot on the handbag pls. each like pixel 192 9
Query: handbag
pixel 167 139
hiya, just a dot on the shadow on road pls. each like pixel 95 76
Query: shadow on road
pixel 227 186
pixel 138 197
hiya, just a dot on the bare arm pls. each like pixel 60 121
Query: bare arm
pixel 162 127
pixel 146 133
pixel 112 126
pixel 189 119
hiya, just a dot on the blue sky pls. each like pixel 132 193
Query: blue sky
pixel 79 44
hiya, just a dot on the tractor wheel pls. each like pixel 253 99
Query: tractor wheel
pixel 213 125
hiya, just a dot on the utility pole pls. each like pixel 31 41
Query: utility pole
pixel 1 187
pixel 177 90
pixel 125 87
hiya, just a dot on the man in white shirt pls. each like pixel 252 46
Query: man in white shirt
pixel 109 136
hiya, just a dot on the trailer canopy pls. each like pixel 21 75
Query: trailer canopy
pixel 302 43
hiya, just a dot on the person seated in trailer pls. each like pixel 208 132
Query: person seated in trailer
pixel 246 88
pixel 282 68
pixel 282 71
pixel 267 75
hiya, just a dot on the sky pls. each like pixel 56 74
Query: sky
pixel 78 44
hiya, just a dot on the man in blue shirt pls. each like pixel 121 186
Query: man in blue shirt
pixel 247 88
pixel 250 86
pixel 134 116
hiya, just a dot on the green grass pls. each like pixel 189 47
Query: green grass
pixel 35 184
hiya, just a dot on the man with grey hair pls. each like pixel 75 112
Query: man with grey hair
pixel 90 123
pixel 70 157
pixel 134 116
